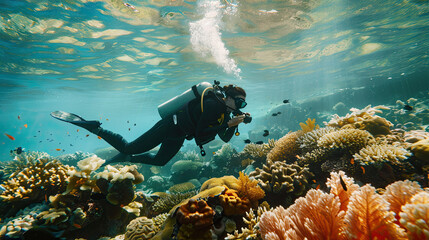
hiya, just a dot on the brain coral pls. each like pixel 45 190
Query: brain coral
pixel 141 228
pixel 280 177
pixel 377 153
pixel 286 148
pixel 351 140
pixel 33 183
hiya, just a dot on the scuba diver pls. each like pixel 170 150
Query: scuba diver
pixel 200 113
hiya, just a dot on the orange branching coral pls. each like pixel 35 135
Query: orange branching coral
pixel 197 213
pixel 315 216
pixel 232 204
pixel 399 193
pixel 338 189
pixel 309 125
pixel 415 217
pixel 286 148
pixel 249 189
pixel 368 217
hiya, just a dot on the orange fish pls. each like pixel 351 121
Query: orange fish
pixel 46 198
pixel 363 169
pixel 99 137
pixel 314 181
pixel 318 186
pixel 352 161
pixel 298 157
pixel 9 136
pixel 77 130
pixel 25 125
pixel 77 225
pixel 107 119
pixel 58 149
pixel 87 135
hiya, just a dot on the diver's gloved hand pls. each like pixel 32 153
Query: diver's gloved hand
pixel 120 157
pixel 236 120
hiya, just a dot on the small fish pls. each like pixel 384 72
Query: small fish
pixel 129 129
pixel 99 137
pixel 107 119
pixel 19 117
pixel 247 141
pixel 259 142
pixel 266 134
pixel 363 169
pixel 274 114
pixel 214 153
pixel 352 161
pixel 343 184
pixel 135 124
pixel 58 149
pixel 77 225
pixel 286 101
pixel 18 150
pixel 408 107
pixel 9 136
pixel 318 186
pixel 297 156
pixel 71 145
pixel 128 121
pixel 279 113
pixel 77 130
pixel 25 125
pixel 314 180
pixel 87 135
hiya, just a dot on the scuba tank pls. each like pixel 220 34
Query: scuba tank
pixel 171 106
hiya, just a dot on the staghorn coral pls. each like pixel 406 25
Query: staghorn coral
pixel 351 140
pixel 251 220
pixel 197 213
pixel 338 190
pixel 377 153
pixel 43 178
pixel 309 125
pixel 368 217
pixel 399 193
pixel 415 218
pixel 168 201
pixel 232 203
pixel 280 177
pixel 286 148
pixel 249 189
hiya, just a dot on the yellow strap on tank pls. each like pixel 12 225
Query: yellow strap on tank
pixel 202 98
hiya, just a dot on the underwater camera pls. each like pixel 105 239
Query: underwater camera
pixel 247 118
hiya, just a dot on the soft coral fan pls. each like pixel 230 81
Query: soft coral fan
pixel 400 193
pixel 415 216
pixel 368 217
pixel 338 190
pixel 313 217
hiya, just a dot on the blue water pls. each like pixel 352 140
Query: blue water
pixel 108 61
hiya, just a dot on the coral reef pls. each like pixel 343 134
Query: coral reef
pixel 36 182
pixel 308 141
pixel 336 181
pixel 350 140
pixel 421 150
pixel 24 160
pixel 182 187
pixel 233 204
pixel 309 125
pixel 168 201
pixel 249 189
pixel 399 193
pixel 286 148
pixel 251 220
pixel 141 228
pixel 356 116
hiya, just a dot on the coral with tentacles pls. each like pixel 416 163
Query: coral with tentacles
pixel 378 153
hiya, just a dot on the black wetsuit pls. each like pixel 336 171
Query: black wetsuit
pixel 191 123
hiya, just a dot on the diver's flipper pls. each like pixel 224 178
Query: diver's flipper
pixel 76 120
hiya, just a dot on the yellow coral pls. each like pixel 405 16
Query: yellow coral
pixel 232 203
pixel 368 217
pixel 421 150
pixel 33 183
pixel 309 125
pixel 286 148
pixel 168 201
pixel 356 116
pixel 251 220
pixel 247 162
pixel 182 187
pixel 229 181
pixel 415 218
pixel 249 189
